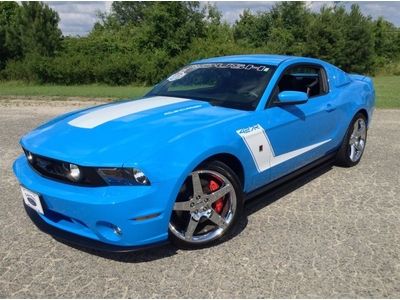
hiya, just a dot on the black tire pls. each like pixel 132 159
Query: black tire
pixel 178 237
pixel 343 156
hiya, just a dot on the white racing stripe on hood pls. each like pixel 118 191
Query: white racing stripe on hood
pixel 116 111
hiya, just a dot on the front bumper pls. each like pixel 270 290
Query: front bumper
pixel 88 216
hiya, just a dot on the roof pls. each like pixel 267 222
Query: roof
pixel 266 59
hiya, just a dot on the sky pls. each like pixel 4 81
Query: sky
pixel 78 17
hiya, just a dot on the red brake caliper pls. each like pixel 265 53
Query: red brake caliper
pixel 219 204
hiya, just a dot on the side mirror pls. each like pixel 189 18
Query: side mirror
pixel 292 97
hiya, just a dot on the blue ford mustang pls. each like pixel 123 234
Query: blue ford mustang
pixel 179 163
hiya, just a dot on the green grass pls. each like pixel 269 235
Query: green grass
pixel 387 91
pixel 88 91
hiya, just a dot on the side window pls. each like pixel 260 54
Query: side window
pixel 307 79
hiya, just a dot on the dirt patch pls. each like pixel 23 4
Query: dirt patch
pixel 10 101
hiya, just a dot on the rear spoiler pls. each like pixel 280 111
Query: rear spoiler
pixel 364 78
pixel 360 78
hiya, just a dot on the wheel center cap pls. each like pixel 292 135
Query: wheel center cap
pixel 204 213
pixel 198 202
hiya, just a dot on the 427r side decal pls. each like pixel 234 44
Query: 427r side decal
pixel 260 148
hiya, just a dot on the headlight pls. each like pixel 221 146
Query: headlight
pixel 123 176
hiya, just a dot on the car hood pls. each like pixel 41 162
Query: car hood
pixel 116 133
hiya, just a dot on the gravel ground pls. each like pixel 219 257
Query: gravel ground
pixel 332 233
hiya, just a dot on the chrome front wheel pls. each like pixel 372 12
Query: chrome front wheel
pixel 206 207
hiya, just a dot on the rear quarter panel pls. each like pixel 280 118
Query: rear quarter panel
pixel 350 94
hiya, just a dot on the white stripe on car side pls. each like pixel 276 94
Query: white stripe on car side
pixel 276 160
pixel 105 114
pixel 255 138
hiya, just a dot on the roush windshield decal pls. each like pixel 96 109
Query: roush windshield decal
pixel 260 148
pixel 105 114
pixel 186 70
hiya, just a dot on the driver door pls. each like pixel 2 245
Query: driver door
pixel 299 133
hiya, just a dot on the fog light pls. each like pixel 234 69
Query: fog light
pixel 140 177
pixel 29 156
pixel 109 231
pixel 74 172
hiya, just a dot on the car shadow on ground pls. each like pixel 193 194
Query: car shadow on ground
pixel 252 206
pixel 144 255
pixel 259 202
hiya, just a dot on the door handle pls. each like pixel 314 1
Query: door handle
pixel 330 107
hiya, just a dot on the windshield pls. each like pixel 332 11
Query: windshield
pixel 230 85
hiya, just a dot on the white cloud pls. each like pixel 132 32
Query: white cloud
pixel 231 10
pixel 390 10
pixel 78 17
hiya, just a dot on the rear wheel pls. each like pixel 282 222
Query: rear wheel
pixel 354 142
pixel 207 208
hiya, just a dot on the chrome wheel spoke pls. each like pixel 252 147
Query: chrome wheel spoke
pixel 197 188
pixel 352 152
pixel 191 228
pixel 358 146
pixel 353 139
pixel 361 129
pixel 362 143
pixel 185 206
pixel 355 128
pixel 218 220
pixel 220 193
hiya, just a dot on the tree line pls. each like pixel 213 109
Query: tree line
pixel 143 42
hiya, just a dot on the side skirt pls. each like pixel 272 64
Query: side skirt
pixel 294 174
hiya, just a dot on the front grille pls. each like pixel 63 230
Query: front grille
pixel 59 170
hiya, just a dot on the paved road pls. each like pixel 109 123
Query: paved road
pixel 333 233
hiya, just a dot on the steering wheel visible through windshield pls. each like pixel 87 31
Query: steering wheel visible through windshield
pixel 232 85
